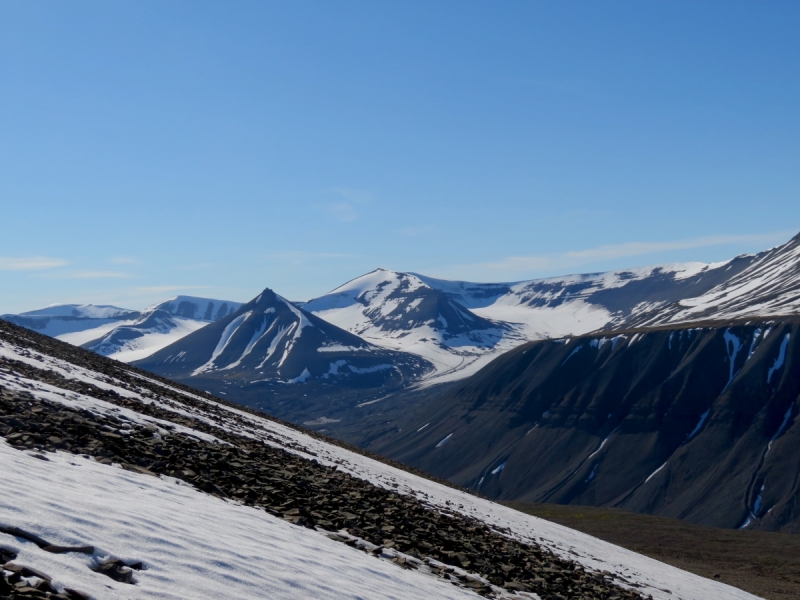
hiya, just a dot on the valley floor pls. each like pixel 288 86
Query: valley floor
pixel 763 563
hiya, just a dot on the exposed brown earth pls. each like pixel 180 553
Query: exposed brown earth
pixel 763 563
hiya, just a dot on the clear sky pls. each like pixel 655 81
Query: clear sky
pixel 216 148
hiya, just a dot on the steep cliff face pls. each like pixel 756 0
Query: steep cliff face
pixel 697 423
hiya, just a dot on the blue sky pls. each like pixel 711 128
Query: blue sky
pixel 153 148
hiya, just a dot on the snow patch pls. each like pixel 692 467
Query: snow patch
pixel 302 378
pixel 444 441
pixel 224 339
pixel 499 468
pixel 699 426
pixel 781 357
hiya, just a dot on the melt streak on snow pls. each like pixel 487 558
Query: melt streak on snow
pixel 241 550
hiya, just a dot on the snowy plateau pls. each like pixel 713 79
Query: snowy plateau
pixel 123 334
pixel 118 484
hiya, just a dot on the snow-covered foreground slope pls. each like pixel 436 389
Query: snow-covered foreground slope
pixel 193 545
pixel 201 546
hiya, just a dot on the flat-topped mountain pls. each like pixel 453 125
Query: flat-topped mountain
pixel 74 323
pixel 159 326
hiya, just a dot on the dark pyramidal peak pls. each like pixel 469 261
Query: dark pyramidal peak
pixel 698 423
pixel 270 340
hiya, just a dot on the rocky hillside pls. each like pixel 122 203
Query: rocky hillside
pixel 121 485
pixel 698 423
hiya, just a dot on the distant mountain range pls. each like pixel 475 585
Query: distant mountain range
pixel 457 327
pixel 668 389
pixel 123 334
pixel 74 323
pixel 461 326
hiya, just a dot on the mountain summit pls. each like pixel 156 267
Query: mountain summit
pixel 271 341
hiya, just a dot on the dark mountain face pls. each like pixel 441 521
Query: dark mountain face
pixel 270 341
pixel 695 423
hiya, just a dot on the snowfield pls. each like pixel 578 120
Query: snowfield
pixel 192 545
pixel 199 546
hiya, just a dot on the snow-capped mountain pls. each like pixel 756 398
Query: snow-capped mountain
pixel 159 326
pixel 74 323
pixel 270 340
pixel 577 304
pixel 400 311
pixel 461 326
pixel 120 485
pixel 768 286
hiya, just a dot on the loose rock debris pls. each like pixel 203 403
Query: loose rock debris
pixel 20 581
pixel 304 492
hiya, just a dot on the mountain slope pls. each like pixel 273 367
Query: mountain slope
pixel 401 312
pixel 74 323
pixel 694 423
pixel 461 326
pixel 212 501
pixel 159 326
pixel 268 342
pixel 578 304
pixel 768 286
